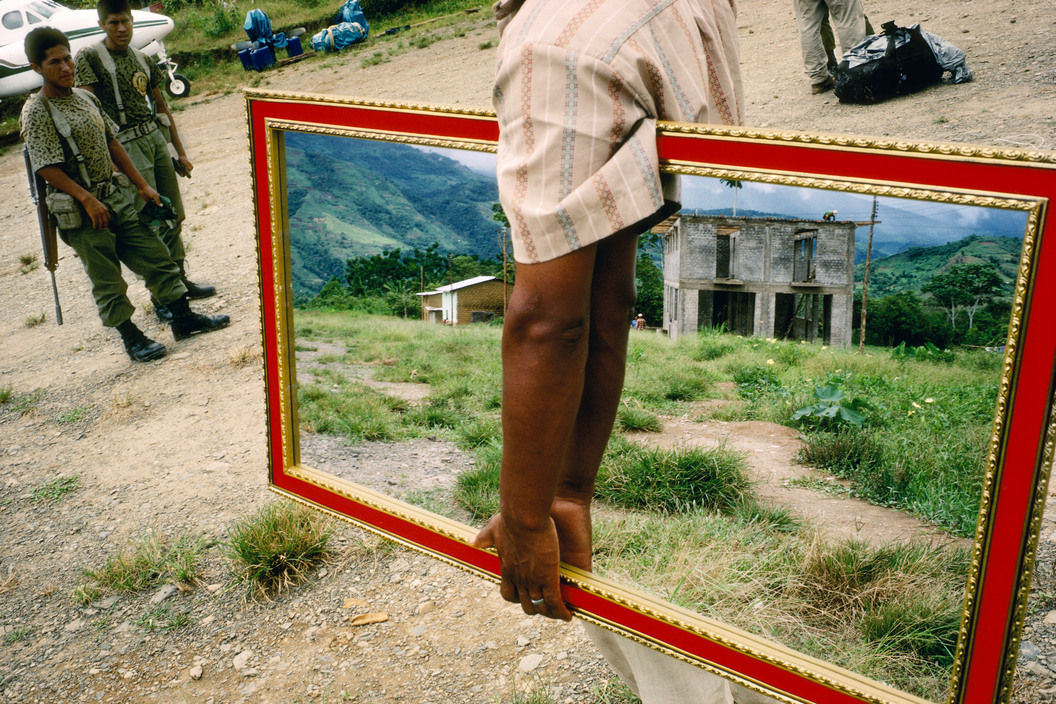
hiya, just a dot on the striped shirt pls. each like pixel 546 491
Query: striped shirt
pixel 579 88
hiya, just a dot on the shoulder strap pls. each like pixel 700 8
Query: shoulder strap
pixel 110 67
pixel 62 125
pixel 142 59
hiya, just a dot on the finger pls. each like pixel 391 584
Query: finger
pixel 554 607
pixel 508 591
pixel 484 539
pixel 532 605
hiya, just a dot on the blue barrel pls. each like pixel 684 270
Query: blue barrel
pixel 247 63
pixel 262 57
pixel 293 46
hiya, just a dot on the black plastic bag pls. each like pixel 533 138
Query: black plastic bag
pixel 898 62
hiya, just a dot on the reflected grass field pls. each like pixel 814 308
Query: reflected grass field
pixel 684 524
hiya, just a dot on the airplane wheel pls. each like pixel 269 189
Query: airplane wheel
pixel 178 86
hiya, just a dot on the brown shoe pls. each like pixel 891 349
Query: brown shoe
pixel 817 88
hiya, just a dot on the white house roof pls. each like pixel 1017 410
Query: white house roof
pixel 459 284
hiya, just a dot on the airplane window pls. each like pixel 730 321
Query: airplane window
pixel 33 19
pixel 12 20
pixel 44 9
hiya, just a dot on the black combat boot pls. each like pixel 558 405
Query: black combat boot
pixel 163 312
pixel 194 291
pixel 140 348
pixel 185 322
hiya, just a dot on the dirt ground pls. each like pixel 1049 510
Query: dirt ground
pixel 179 445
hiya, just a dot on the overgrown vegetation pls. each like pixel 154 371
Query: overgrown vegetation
pixel 918 441
pixel 277 547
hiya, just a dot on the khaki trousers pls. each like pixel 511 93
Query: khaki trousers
pixel 848 21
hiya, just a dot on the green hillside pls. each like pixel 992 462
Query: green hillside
pixel 353 197
pixel 911 269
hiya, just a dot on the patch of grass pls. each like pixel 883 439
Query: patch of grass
pixel 631 420
pixel 54 490
pixel 162 618
pixel 478 489
pixel 19 634
pixel 277 547
pixel 424 41
pixel 5 394
pixel 350 410
pixel 430 499
pixel 614 692
pixel 836 601
pixel 672 481
pixel 28 263
pixel 755 381
pixel 378 57
pixel 35 320
pixel 85 594
pixel 478 432
pixel 23 403
pixel 245 356
pixel 74 415
pixel 923 628
pixel 436 414
pixel 151 560
pixel 536 692
pixel 486 45
pixel 777 519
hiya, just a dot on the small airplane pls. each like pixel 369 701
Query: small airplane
pixel 81 27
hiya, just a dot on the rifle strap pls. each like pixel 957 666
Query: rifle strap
pixel 62 125
pixel 103 54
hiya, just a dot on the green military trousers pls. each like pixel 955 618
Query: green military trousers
pixel 126 241
pixel 150 155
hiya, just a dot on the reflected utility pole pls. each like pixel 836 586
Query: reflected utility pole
pixel 865 278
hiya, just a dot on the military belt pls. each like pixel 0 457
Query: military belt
pixel 127 135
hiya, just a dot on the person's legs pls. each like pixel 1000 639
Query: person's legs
pixel 848 19
pixel 143 252
pixel 97 250
pixel 151 158
pixel 810 14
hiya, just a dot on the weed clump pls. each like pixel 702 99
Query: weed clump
pixel 153 559
pixel 672 481
pixel 637 420
pixel 277 547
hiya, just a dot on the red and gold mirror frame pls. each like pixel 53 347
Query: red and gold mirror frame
pixel 1023 436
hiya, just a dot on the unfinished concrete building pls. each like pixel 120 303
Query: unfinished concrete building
pixel 759 277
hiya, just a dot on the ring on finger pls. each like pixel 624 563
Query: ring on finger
pixel 538 602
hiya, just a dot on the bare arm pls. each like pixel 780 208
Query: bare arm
pixel 163 107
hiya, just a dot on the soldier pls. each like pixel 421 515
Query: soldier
pixel 72 145
pixel 128 84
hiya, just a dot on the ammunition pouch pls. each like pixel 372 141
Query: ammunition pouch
pixel 64 208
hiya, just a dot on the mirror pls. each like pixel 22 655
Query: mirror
pixel 839 562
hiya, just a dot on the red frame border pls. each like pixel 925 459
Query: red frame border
pixel 1006 570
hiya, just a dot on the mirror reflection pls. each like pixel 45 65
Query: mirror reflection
pixel 770 470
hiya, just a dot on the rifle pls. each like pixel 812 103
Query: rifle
pixel 48 238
